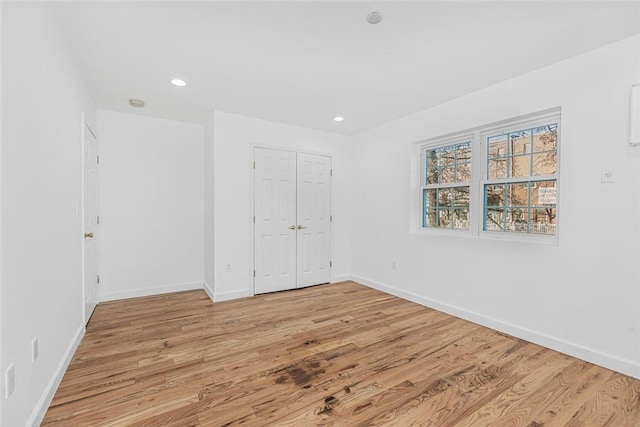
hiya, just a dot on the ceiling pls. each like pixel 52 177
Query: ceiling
pixel 303 63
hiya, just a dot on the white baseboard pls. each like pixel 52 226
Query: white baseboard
pixel 145 292
pixel 341 278
pixel 208 289
pixel 38 413
pixel 225 296
pixel 609 361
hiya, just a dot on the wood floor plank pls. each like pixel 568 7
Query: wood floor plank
pixel 331 355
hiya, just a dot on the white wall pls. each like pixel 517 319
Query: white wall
pixel 43 97
pixel 151 205
pixel 234 137
pixel 580 296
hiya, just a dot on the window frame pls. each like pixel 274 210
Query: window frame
pixel 478 137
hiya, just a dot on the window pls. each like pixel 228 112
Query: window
pixel 446 190
pixel 519 190
pixel 499 179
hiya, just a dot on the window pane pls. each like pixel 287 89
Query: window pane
pixel 446 208
pixel 432 167
pixel 450 164
pixel 497 146
pixel 523 153
pixel 444 197
pixel 461 219
pixel 463 172
pixel 447 175
pixel 497 169
pixel 544 194
pixel 494 195
pixel 517 194
pixel 520 166
pixel 522 207
pixel 494 219
pixel 543 221
pixel 545 163
pixel 431 219
pixel 545 138
pixel 447 155
pixel 430 200
pixel 518 141
pixel 445 218
pixel 461 197
pixel 464 153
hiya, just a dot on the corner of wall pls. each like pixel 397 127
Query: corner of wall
pixel 209 212
pixel 39 411
pixel 226 296
pixel 208 290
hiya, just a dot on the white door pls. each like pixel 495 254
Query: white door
pixel 91 221
pixel 275 220
pixel 292 220
pixel 314 221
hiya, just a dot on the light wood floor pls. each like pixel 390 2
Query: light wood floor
pixel 331 355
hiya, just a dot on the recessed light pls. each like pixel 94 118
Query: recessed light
pixel 178 82
pixel 374 17
pixel 138 103
pixel 338 119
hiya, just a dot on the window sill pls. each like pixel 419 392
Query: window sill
pixel 520 237
pixel 488 235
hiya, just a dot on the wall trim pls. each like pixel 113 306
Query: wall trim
pixel 38 413
pixel 609 361
pixel 208 289
pixel 340 278
pixel 145 292
pixel 226 296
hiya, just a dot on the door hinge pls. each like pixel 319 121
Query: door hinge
pixel 98 219
pixel 98 279
pixel 254 273
pixel 330 263
pixel 330 172
pixel 254 164
pixel 98 159
pixel 254 219
pixel 330 218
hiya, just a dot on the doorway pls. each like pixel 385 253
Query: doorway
pixel 292 219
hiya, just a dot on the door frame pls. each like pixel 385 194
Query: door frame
pixel 80 208
pixel 253 147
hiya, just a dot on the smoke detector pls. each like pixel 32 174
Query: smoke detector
pixel 138 103
pixel 374 17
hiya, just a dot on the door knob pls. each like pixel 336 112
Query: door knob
pixel 301 227
pixel 292 227
pixel 90 235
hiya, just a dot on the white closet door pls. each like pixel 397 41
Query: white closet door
pixel 314 222
pixel 91 223
pixel 275 220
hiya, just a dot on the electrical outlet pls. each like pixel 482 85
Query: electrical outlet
pixel 9 381
pixel 227 267
pixel 606 175
pixel 394 265
pixel 34 349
